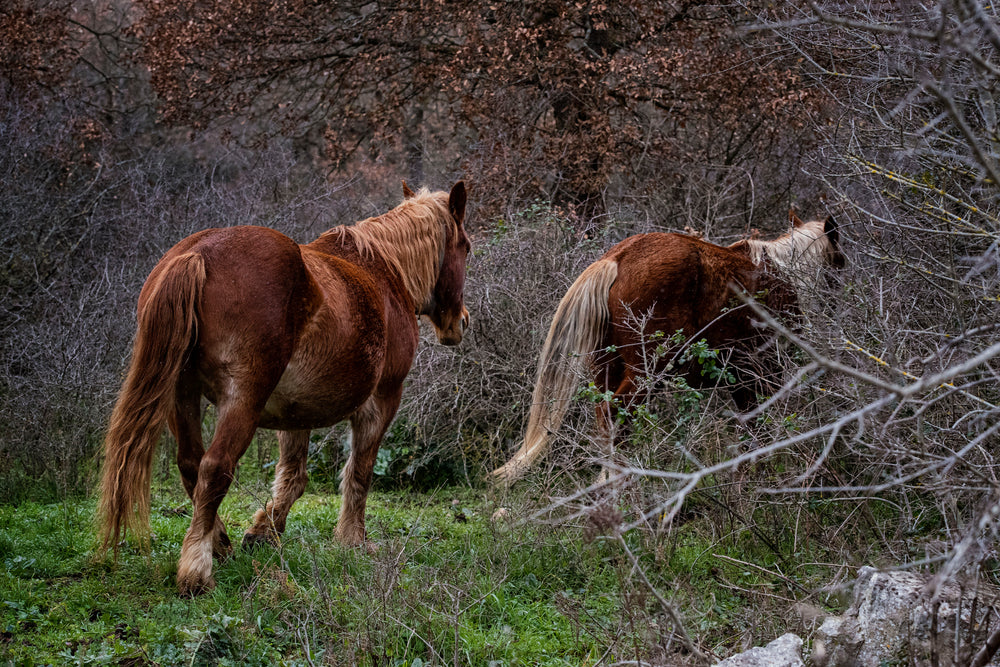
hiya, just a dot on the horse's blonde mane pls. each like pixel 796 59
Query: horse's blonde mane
pixel 801 251
pixel 411 238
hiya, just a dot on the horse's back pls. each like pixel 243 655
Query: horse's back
pixel 673 282
pixel 681 282
pixel 300 333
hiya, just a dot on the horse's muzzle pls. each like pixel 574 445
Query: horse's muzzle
pixel 456 329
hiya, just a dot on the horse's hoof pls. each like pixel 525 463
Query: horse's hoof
pixel 222 546
pixel 352 538
pixel 195 586
pixel 254 541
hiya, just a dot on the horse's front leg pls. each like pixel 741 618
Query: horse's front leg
pixel 368 425
pixel 233 433
pixel 290 479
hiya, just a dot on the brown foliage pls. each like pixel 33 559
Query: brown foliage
pixel 35 47
pixel 556 99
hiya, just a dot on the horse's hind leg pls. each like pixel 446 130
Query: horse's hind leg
pixel 233 433
pixel 368 425
pixel 612 430
pixel 290 479
pixel 185 424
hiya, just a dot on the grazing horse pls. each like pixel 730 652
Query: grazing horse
pixel 281 336
pixel 679 283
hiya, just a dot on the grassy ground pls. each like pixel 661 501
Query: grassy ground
pixel 447 585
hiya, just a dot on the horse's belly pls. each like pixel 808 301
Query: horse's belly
pixel 316 397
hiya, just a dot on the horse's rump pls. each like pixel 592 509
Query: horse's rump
pixel 580 322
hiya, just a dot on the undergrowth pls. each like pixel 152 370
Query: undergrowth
pixel 449 583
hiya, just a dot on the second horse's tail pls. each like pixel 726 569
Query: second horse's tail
pixel 576 330
pixel 166 330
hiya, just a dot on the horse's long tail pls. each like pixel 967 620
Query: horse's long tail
pixel 166 329
pixel 576 330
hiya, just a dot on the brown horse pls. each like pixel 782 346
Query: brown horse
pixel 679 283
pixel 285 337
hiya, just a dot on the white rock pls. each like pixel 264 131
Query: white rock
pixel 785 651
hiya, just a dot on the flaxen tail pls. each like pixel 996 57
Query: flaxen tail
pixel 166 330
pixel 576 330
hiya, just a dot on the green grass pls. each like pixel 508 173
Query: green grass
pixel 447 585
pixel 445 582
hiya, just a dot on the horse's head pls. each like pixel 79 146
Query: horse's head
pixel 826 245
pixel 445 309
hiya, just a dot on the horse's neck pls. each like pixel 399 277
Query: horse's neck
pixel 742 247
pixel 410 264
pixel 340 243
pixel 800 252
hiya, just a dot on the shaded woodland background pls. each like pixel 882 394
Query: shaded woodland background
pixel 125 126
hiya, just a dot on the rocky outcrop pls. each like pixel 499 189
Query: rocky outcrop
pixel 891 618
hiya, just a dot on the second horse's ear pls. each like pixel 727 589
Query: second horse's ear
pixel 456 202
pixel 830 229
pixel 794 219
pixel 407 192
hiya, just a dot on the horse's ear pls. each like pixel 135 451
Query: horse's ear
pixel 456 202
pixel 794 219
pixel 407 192
pixel 830 229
